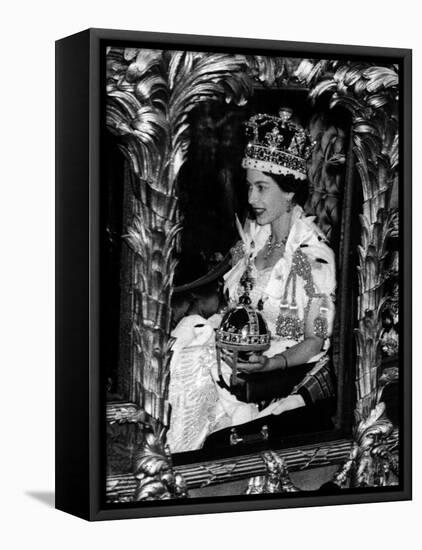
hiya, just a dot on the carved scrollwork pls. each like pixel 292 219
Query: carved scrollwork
pixel 372 460
pixel 154 475
pixel 153 469
pixel 275 480
pixel 125 412
pixel 200 475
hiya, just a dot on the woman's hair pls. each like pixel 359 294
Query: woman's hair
pixel 288 183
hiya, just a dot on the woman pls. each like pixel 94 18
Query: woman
pixel 291 273
pixel 291 268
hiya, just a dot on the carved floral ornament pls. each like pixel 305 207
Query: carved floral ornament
pixel 150 94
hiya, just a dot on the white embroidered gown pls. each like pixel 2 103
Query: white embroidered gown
pixel 199 405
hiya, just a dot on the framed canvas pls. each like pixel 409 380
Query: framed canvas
pixel 233 274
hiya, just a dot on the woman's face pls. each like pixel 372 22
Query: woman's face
pixel 267 200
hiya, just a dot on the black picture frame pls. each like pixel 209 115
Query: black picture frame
pixel 80 404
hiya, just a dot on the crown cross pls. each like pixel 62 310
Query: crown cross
pixel 285 115
pixel 274 139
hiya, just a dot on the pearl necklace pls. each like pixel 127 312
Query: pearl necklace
pixel 272 246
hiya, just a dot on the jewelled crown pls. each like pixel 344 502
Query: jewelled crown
pixel 277 145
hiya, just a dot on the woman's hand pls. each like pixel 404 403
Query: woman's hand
pixel 255 362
